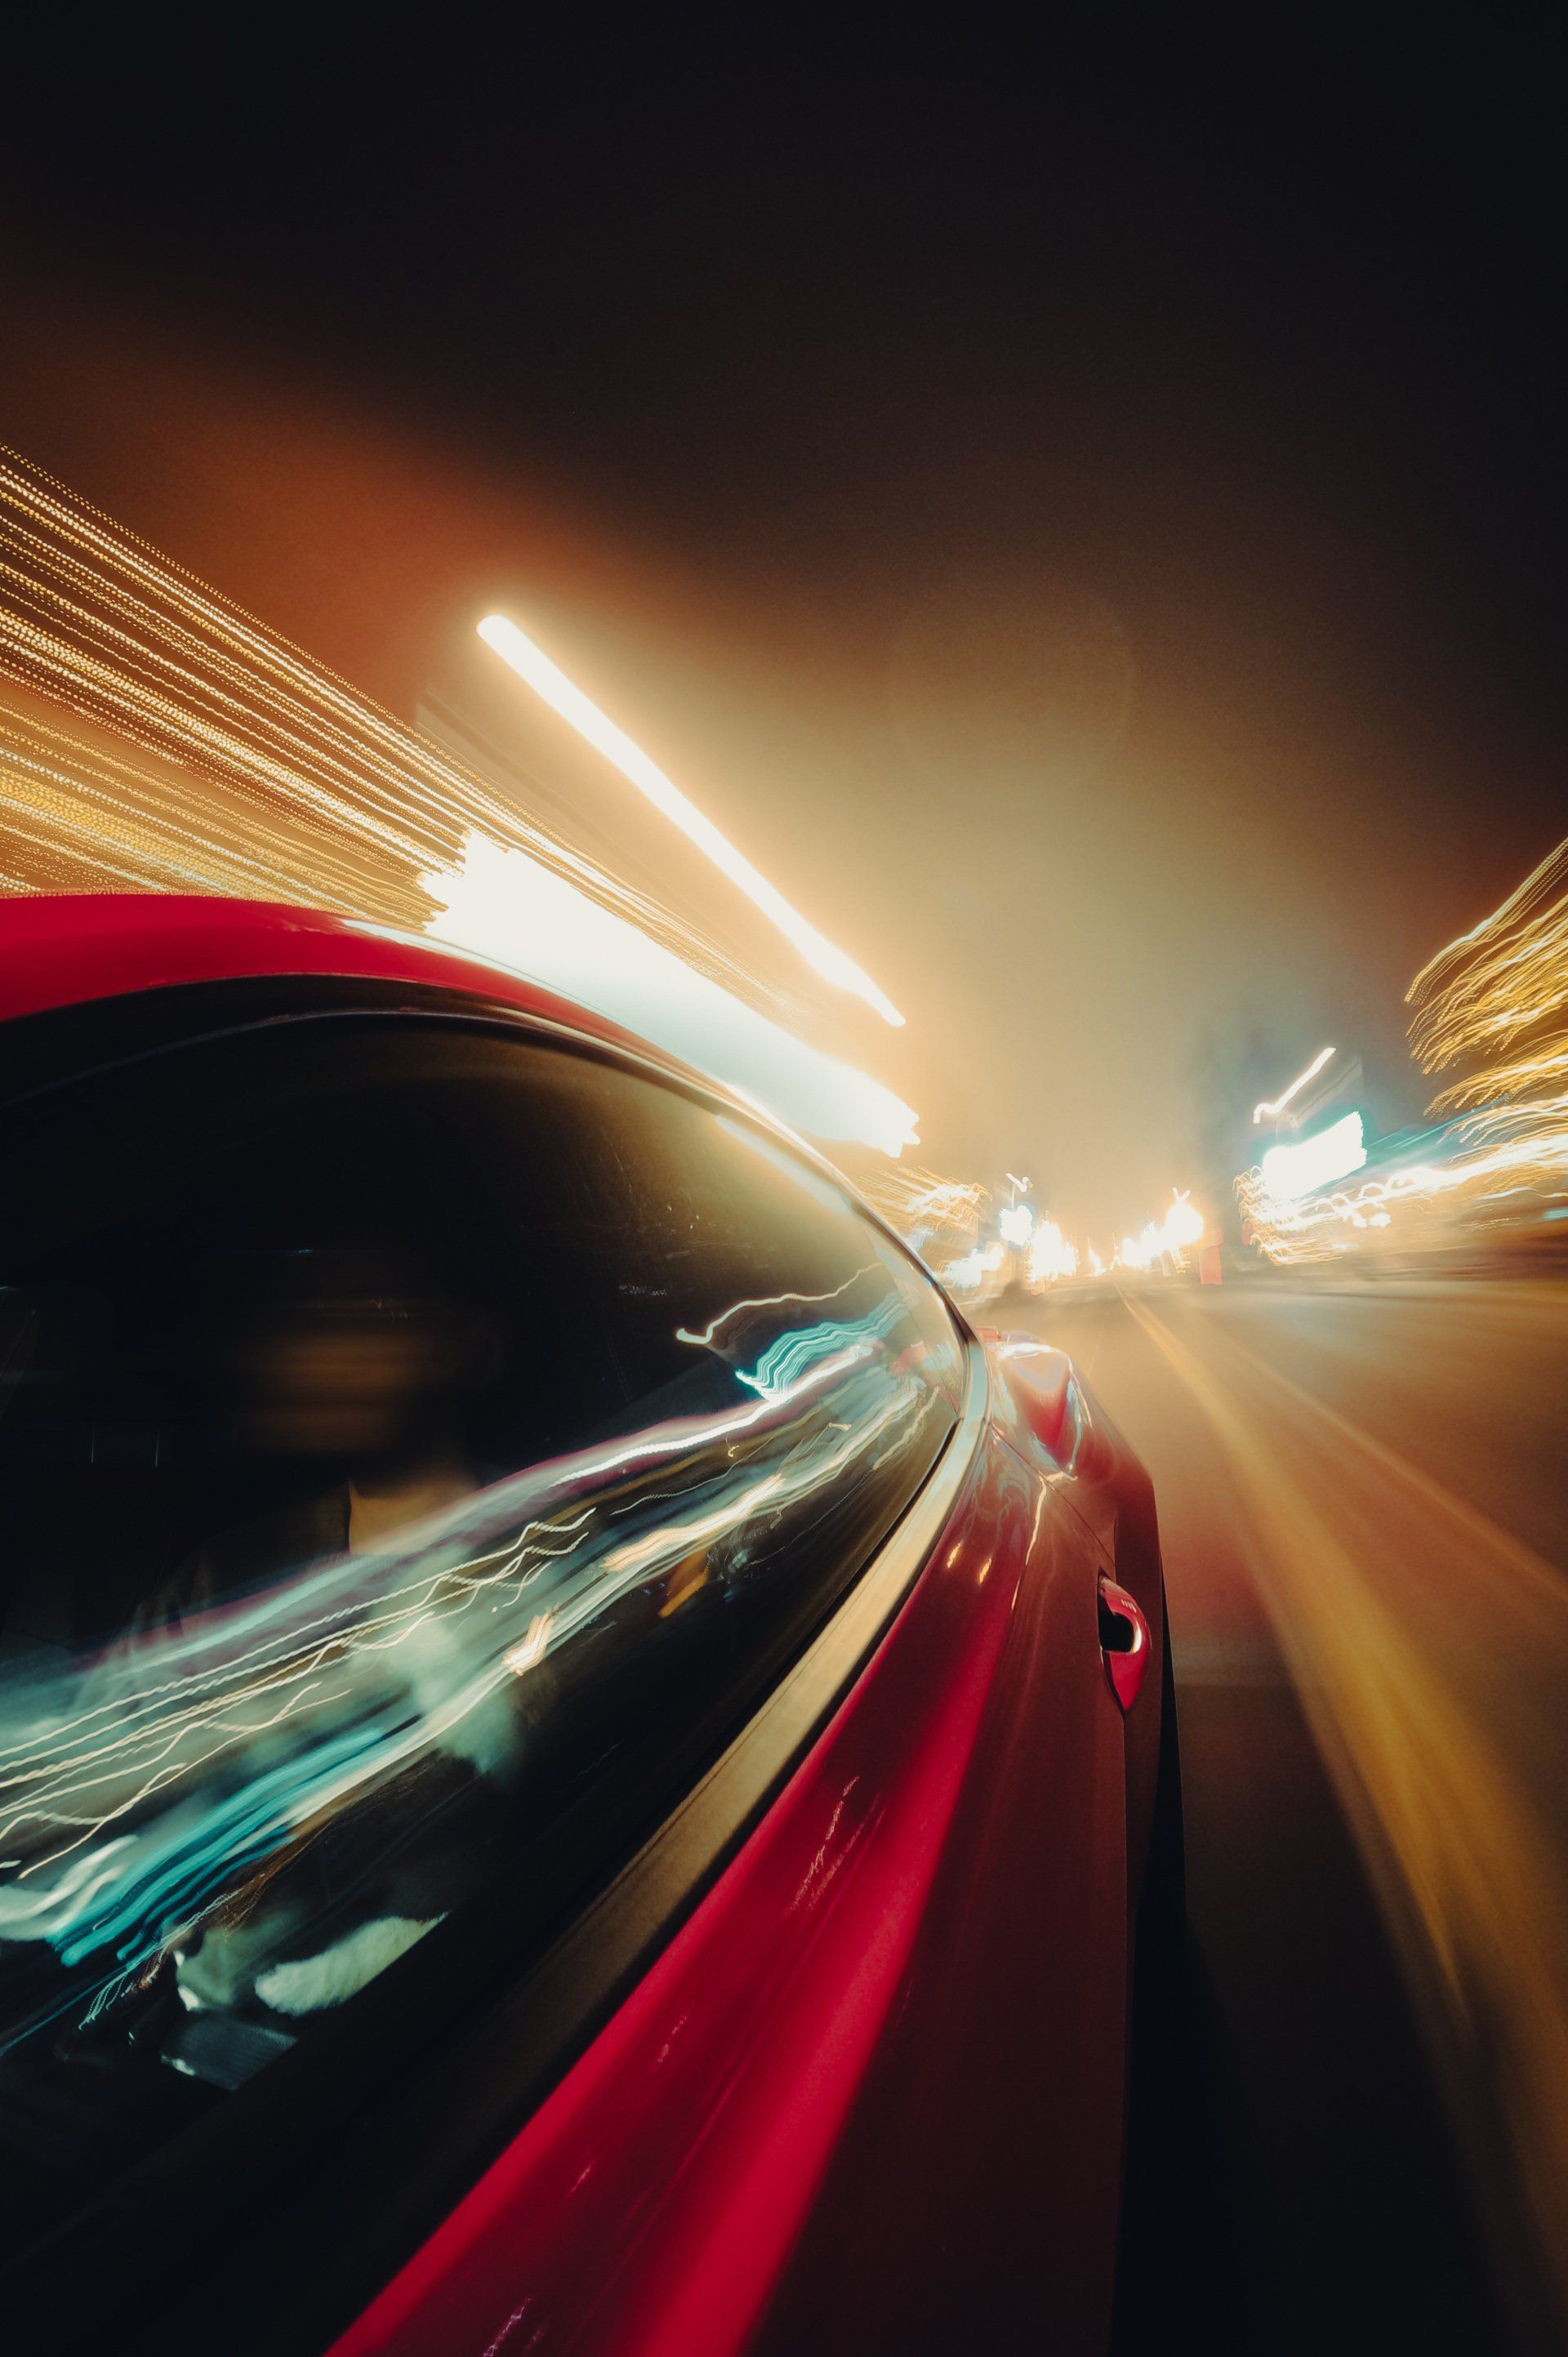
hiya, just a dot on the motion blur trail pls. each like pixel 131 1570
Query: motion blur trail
pixel 1406 1615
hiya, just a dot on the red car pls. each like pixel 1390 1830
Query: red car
pixel 579 1757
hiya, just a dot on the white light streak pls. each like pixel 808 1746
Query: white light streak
pixel 548 681
pixel 769 1301
pixel 1268 1111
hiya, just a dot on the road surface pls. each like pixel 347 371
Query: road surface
pixel 1359 2136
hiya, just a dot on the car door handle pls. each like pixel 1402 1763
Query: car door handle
pixel 1123 1642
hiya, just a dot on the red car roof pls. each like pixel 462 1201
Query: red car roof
pixel 60 950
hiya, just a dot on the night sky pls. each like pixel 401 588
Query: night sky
pixel 1084 512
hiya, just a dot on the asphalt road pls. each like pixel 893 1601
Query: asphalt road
pixel 1355 2133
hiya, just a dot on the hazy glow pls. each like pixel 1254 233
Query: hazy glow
pixel 1267 1112
pixel 1292 1172
pixel 548 681
pixel 502 905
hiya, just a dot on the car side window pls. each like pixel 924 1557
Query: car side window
pixel 419 1449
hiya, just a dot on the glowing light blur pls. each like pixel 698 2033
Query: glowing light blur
pixel 1016 1224
pixel 502 905
pixel 548 681
pixel 963 1274
pixel 1494 1000
pixel 1267 1111
pixel 1162 1243
pixel 1184 1223
pixel 920 1205
pixel 1142 1251
pixel 1051 1257
pixel 1291 1171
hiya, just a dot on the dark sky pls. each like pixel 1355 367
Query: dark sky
pixel 1084 512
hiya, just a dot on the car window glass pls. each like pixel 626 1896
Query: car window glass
pixel 417 1443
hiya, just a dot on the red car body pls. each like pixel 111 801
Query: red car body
pixel 868 2091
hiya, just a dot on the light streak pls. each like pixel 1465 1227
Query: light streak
pixel 535 1645
pixel 837 1346
pixel 909 1197
pixel 1313 1228
pixel 1497 1000
pixel 770 1301
pixel 1507 976
pixel 548 681
pixel 1269 1111
pixel 503 905
pixel 965 1274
